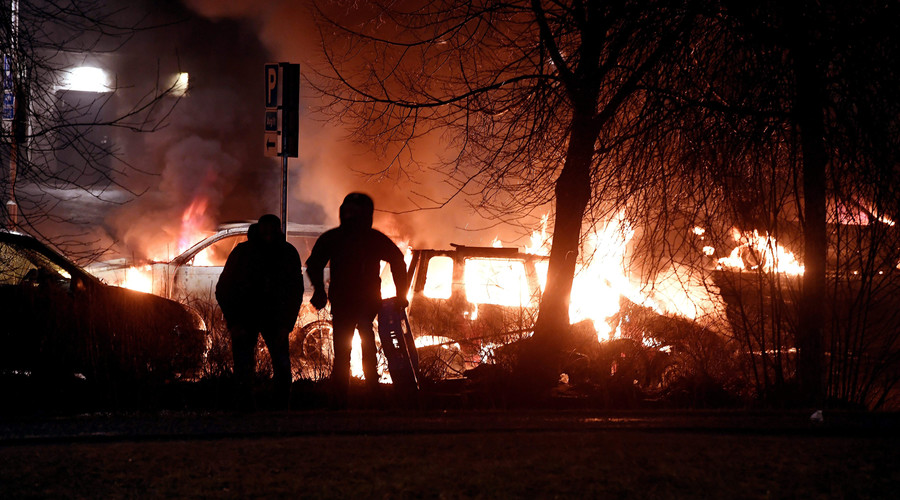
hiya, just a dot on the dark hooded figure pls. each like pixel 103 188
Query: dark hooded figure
pixel 260 292
pixel 355 251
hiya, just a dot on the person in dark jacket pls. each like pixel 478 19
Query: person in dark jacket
pixel 355 251
pixel 260 291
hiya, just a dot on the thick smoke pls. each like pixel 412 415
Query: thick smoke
pixel 331 165
pixel 209 155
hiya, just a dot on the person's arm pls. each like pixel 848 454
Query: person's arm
pixel 315 269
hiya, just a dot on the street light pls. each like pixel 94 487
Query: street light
pixel 86 79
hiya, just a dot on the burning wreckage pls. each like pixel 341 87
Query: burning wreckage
pixel 465 303
pixel 468 302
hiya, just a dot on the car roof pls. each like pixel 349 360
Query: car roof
pixel 28 241
pixel 229 229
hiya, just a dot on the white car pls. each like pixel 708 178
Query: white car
pixel 191 279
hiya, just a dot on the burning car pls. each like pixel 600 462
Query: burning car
pixel 468 300
pixel 191 277
pixel 61 322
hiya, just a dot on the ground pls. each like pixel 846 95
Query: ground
pixel 456 454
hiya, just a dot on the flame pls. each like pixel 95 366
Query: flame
pixel 440 284
pixel 602 277
pixel 193 223
pixel 194 219
pixel 497 281
pixel 387 280
pixel 540 240
pixel 756 251
pixel 138 278
pixel 356 365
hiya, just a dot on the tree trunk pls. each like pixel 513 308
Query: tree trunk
pixel 809 116
pixel 573 191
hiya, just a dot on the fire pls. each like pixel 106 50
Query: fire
pixel 356 365
pixel 497 281
pixel 194 221
pixel 139 278
pixel 191 220
pixel 602 277
pixel 760 252
pixel 387 280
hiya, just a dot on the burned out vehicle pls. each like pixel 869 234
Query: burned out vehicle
pixel 467 301
pixel 60 322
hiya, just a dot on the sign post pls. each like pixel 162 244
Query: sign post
pixel 282 129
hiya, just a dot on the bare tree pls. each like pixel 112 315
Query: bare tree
pixel 60 108
pixel 785 113
pixel 538 95
pixel 769 118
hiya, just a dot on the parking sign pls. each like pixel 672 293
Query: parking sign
pixel 282 109
pixel 272 86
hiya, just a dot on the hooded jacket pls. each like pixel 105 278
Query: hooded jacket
pixel 355 251
pixel 261 286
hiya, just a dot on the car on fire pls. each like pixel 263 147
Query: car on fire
pixel 191 278
pixel 60 321
pixel 467 301
pixel 464 302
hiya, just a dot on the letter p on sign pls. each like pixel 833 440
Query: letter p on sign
pixel 271 85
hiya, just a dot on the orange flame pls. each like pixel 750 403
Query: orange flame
pixel 760 252
pixel 138 278
pixel 193 220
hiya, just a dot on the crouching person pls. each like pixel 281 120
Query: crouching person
pixel 260 292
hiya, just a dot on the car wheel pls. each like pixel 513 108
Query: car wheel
pixel 316 351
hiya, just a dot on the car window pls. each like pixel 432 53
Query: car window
pixel 497 281
pixel 439 277
pixel 19 264
pixel 217 253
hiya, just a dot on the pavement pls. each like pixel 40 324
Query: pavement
pixel 171 425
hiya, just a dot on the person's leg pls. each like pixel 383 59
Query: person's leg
pixel 342 339
pixel 243 351
pixel 277 341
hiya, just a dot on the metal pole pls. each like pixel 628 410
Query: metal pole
pixel 12 208
pixel 284 191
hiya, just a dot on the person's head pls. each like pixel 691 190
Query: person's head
pixel 268 229
pixel 253 232
pixel 357 211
